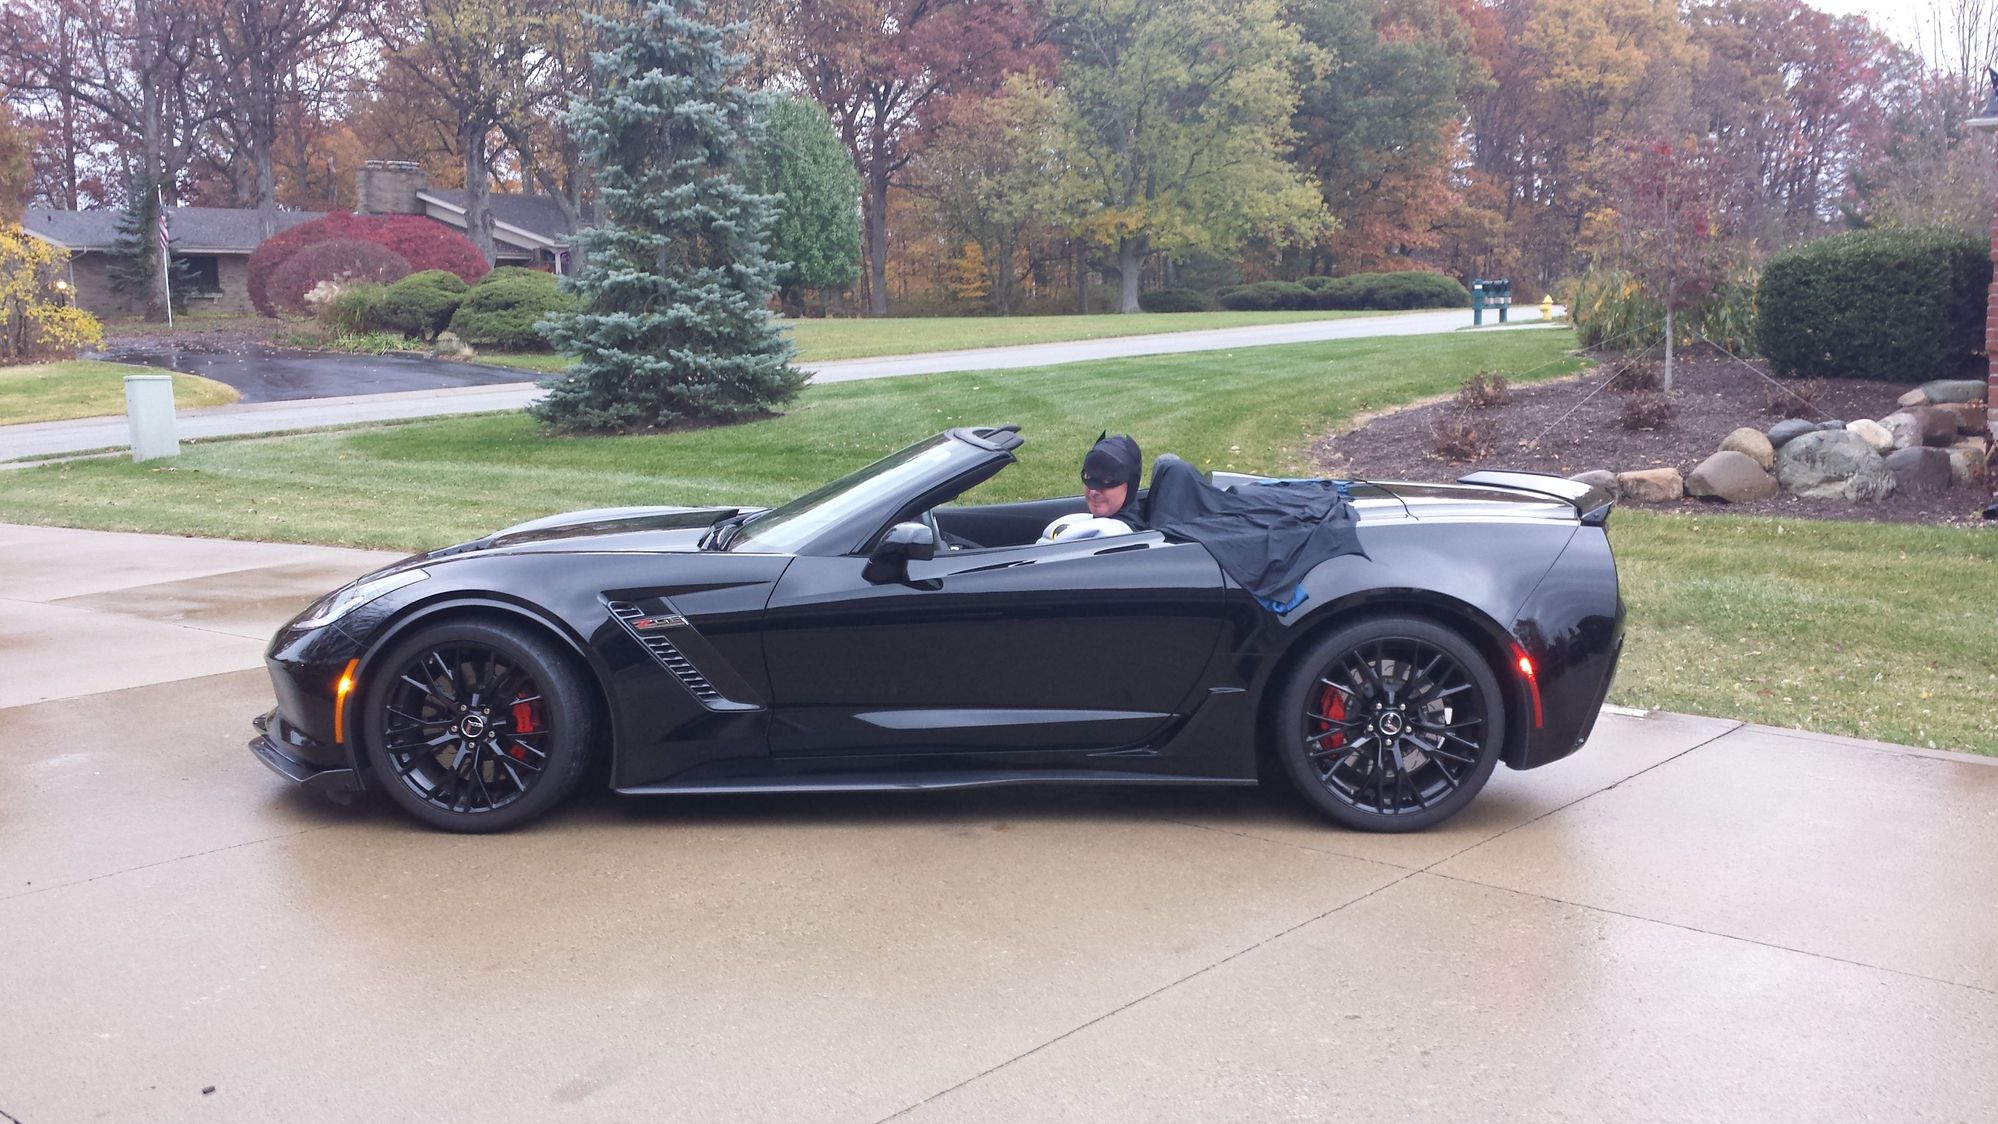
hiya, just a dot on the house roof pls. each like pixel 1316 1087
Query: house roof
pixel 538 215
pixel 195 230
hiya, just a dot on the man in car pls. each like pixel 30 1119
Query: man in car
pixel 1110 475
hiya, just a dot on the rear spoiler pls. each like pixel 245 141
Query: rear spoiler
pixel 1591 503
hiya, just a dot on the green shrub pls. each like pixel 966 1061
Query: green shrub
pixel 1415 288
pixel 507 272
pixel 504 313
pixel 1610 309
pixel 1728 318
pixel 356 309
pixel 1172 300
pixel 1901 305
pixel 421 304
pixel 1267 296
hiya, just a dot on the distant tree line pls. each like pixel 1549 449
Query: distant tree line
pixel 1041 154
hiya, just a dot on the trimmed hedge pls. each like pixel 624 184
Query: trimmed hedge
pixel 1896 305
pixel 420 304
pixel 504 313
pixel 341 260
pixel 502 272
pixel 1267 296
pixel 1172 300
pixel 425 243
pixel 1399 290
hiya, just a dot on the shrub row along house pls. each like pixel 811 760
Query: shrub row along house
pixel 215 243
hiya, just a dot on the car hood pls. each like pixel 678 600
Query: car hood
pixel 620 529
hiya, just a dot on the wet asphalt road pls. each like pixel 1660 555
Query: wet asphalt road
pixel 269 374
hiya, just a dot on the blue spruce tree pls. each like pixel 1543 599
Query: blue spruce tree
pixel 673 324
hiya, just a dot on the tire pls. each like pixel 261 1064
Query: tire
pixel 476 726
pixel 1390 724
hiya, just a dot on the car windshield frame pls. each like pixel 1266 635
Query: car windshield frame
pixel 789 527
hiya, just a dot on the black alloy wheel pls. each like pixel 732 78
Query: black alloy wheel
pixel 476 726
pixel 1391 724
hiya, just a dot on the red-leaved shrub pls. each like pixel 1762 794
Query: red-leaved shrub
pixel 341 260
pixel 423 242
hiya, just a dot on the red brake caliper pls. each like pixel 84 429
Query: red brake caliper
pixel 524 722
pixel 1332 704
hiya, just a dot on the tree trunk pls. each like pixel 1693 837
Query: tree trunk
pixel 1081 280
pixel 1130 255
pixel 1668 349
pixel 148 179
pixel 877 238
pixel 478 188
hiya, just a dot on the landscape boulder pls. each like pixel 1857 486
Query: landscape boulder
pixel 1919 472
pixel 1731 476
pixel 1833 466
pixel 1873 433
pixel 1915 397
pixel 1967 465
pixel 1600 478
pixel 1749 442
pixel 1953 390
pixel 1651 485
pixel 1788 430
pixel 1938 424
pixel 1970 416
pixel 1831 424
pixel 1903 427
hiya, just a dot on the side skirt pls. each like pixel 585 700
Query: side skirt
pixel 918 781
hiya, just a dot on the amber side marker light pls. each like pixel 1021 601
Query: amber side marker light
pixel 346 687
pixel 1526 668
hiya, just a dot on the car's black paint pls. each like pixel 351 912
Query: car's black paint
pixel 1130 659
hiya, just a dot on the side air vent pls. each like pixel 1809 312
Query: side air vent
pixel 642 629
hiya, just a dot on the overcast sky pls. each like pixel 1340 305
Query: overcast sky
pixel 1902 19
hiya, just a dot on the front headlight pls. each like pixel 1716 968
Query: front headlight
pixel 343 601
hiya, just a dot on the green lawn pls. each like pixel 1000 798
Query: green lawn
pixel 86 388
pixel 1878 631
pixel 822 340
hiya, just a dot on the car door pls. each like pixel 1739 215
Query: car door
pixel 1084 645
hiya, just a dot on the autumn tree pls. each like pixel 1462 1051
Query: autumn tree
pixel 1178 121
pixel 995 179
pixel 1377 122
pixel 884 69
pixel 1669 223
pixel 266 49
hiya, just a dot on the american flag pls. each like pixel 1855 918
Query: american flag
pixel 165 235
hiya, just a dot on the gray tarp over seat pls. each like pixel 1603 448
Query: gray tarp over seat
pixel 1266 536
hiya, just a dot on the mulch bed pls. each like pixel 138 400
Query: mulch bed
pixel 1713 394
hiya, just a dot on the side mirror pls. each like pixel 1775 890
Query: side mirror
pixel 904 542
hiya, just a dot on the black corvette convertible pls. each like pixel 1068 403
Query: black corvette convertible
pixel 869 636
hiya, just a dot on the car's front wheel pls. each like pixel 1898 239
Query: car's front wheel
pixel 1391 724
pixel 476 725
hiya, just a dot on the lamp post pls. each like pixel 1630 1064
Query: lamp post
pixel 1986 121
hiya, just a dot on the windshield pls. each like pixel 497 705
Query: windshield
pixel 783 530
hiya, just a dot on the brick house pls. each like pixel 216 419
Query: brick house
pixel 216 242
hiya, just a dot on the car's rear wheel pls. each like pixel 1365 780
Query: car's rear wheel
pixel 1391 724
pixel 476 725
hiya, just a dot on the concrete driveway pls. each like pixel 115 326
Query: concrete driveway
pixel 1689 920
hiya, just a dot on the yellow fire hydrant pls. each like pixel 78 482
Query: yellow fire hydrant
pixel 1547 307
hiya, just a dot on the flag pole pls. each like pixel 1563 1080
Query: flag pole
pixel 166 259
